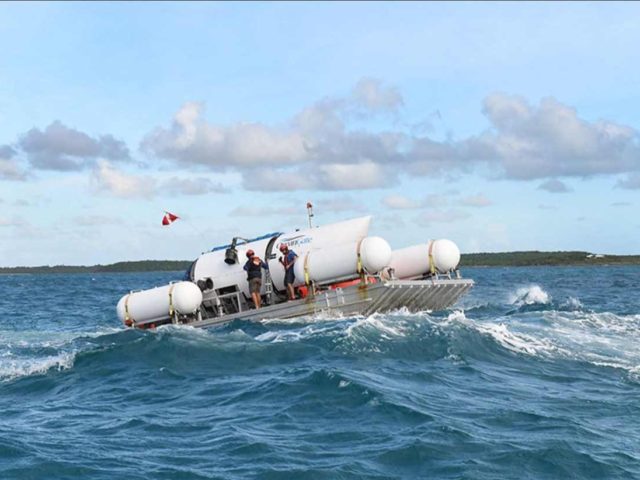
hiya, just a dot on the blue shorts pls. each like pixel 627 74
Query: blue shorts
pixel 289 276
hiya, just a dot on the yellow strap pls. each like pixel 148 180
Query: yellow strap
pixel 171 300
pixel 307 280
pixel 432 266
pixel 359 268
pixel 127 317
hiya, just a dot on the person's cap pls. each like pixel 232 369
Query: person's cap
pixel 250 253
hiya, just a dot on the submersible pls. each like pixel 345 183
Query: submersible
pixel 340 269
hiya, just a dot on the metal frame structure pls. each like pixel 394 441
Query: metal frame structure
pixel 361 299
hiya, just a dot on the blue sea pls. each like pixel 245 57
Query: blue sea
pixel 535 374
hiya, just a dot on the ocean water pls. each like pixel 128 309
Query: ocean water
pixel 533 375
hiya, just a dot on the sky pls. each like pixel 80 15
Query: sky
pixel 501 126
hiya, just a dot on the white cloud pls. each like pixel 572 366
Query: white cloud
pixel 336 176
pixel 550 140
pixel 442 216
pixel 524 141
pixel 391 222
pixel 339 204
pixel 554 186
pixel 13 222
pixel 6 151
pixel 434 200
pixel 363 175
pixel 400 202
pixel 9 169
pixel 632 182
pixel 478 200
pixel 321 147
pixel 372 95
pixel 115 182
pixel 120 184
pixel 316 140
pixel 59 147
pixel 191 140
pixel 192 186
pixel 267 179
pixel 245 211
pixel 428 157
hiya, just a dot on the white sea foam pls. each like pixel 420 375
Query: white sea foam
pixel 602 328
pixel 519 342
pixel 278 336
pixel 387 327
pixel 322 316
pixel 573 303
pixel 533 294
pixel 25 353
pixel 602 339
pixel 48 339
pixel 354 330
pixel 507 337
pixel 294 335
pixel 23 367
pixel 406 313
pixel 457 316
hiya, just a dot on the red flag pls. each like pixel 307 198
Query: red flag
pixel 169 218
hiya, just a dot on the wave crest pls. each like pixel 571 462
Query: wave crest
pixel 533 294
pixel 26 367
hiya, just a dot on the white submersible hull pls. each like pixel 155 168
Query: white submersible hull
pixel 339 269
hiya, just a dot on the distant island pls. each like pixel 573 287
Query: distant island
pixel 501 259
pixel 120 267
pixel 533 258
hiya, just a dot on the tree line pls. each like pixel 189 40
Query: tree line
pixel 500 259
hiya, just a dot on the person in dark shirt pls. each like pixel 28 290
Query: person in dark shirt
pixel 254 267
pixel 287 260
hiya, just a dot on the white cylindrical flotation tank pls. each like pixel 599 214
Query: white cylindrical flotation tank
pixel 441 256
pixel 375 254
pixel 159 303
pixel 341 261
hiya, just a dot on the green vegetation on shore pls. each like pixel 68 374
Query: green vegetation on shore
pixel 523 259
pixel 502 259
pixel 122 267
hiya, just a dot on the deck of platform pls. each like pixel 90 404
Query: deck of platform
pixel 414 295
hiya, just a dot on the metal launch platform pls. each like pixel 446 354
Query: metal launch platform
pixel 360 299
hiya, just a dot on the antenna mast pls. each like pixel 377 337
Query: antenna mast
pixel 309 213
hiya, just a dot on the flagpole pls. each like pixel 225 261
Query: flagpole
pixel 199 232
pixel 309 212
pixel 169 218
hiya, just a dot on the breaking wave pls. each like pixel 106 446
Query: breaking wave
pixel 529 295
pixel 15 368
pixel 603 339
